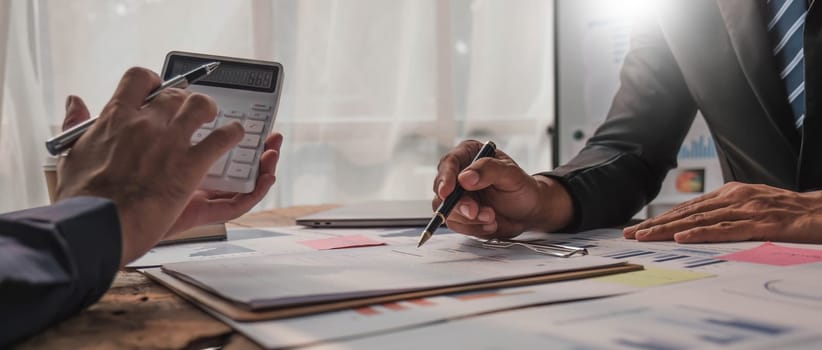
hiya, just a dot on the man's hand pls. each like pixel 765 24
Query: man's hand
pixel 501 200
pixel 213 206
pixel 141 158
pixel 738 212
pixel 206 206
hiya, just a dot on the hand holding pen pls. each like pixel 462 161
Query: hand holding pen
pixel 501 199
pixel 441 213
pixel 60 143
pixel 141 159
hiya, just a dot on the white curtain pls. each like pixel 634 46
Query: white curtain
pixel 23 119
pixel 375 91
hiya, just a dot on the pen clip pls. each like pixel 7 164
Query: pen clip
pixel 562 251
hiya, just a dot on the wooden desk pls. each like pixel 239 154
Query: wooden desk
pixel 137 313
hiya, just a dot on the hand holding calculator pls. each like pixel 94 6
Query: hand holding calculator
pixel 246 91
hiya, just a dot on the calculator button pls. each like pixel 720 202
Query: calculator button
pixel 253 126
pixel 239 171
pixel 217 168
pixel 261 107
pixel 250 141
pixel 259 115
pixel 243 155
pixel 199 135
pixel 234 114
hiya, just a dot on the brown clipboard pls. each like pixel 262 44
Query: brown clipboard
pixel 203 298
pixel 209 232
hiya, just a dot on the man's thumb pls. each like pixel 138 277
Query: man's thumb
pixel 76 112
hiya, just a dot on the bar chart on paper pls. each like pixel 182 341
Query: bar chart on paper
pixel 610 243
pixel 694 328
pixel 407 305
pixel 768 309
pixel 630 325
pixel 410 314
pixel 637 326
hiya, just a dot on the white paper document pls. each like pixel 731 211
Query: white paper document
pixel 383 318
pixel 239 243
pixel 333 275
pixel 610 243
pixel 777 309
pixel 242 242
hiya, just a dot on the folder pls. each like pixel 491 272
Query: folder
pixel 236 312
pixel 279 286
pixel 201 233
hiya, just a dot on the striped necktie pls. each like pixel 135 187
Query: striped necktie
pixel 786 26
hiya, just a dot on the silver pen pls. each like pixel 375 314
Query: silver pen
pixel 60 143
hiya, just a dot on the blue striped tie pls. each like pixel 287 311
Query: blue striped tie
pixel 786 25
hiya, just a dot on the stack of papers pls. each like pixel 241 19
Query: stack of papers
pixel 275 286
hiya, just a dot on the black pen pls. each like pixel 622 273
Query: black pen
pixel 488 150
pixel 60 143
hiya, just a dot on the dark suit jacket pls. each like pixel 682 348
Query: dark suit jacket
pixel 54 261
pixel 708 55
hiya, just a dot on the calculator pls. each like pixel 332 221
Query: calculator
pixel 246 91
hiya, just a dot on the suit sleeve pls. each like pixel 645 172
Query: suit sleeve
pixel 623 164
pixel 55 261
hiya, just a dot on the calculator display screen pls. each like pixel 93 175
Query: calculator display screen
pixel 234 75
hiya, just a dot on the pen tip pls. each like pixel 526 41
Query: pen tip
pixel 212 66
pixel 424 238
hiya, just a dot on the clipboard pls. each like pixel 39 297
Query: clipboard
pixel 210 232
pixel 204 299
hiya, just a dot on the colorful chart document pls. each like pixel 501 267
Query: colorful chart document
pixel 774 309
pixel 610 243
pixel 383 318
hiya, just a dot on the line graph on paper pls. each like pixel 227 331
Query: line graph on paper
pixel 792 290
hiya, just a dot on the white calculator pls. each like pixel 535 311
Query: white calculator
pixel 246 91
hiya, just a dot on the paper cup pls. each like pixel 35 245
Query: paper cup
pixel 50 172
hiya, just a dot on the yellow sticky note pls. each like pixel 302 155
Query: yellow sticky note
pixel 651 277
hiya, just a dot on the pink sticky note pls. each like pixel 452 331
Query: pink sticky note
pixel 772 254
pixel 341 242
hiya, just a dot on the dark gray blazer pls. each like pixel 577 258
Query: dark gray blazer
pixel 708 55
pixel 54 261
